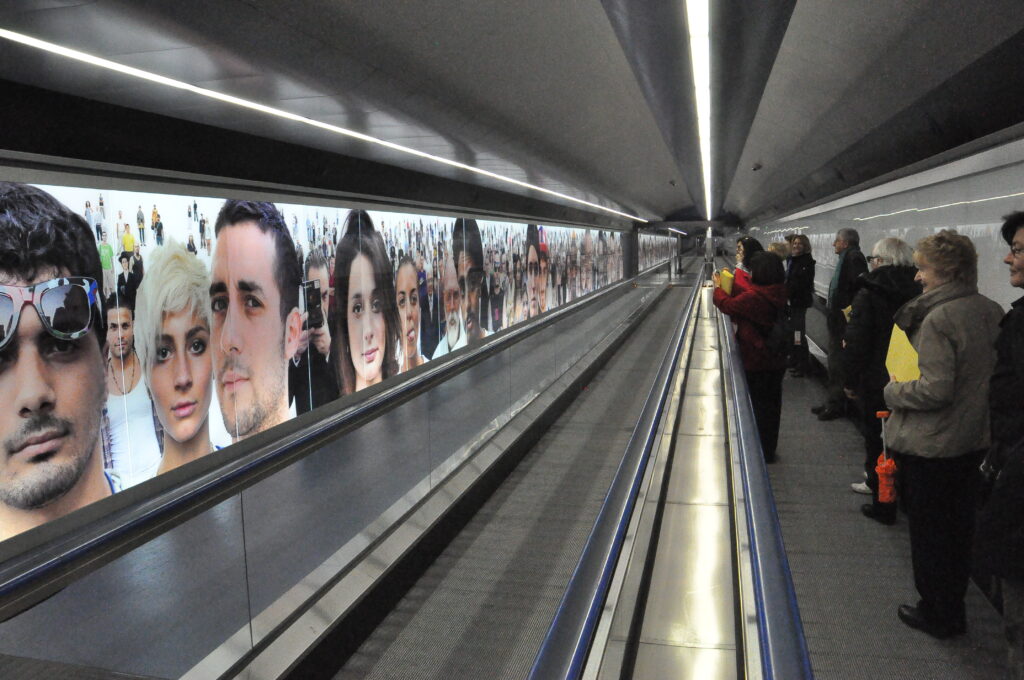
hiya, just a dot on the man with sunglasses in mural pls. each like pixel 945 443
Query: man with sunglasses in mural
pixel 52 376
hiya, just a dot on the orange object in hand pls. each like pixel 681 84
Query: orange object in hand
pixel 885 468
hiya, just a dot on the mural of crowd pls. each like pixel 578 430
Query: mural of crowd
pixel 655 249
pixel 161 328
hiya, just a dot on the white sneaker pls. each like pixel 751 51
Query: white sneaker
pixel 861 487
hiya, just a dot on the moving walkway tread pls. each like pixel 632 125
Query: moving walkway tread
pixel 483 607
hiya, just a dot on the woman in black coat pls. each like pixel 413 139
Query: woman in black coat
pixel 879 293
pixel 800 289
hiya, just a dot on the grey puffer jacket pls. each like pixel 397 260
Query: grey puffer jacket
pixel 944 413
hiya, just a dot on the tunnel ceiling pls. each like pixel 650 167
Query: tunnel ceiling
pixel 592 98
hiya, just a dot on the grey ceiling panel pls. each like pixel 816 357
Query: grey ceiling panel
pixel 655 38
pixel 591 98
pixel 745 41
pixel 887 56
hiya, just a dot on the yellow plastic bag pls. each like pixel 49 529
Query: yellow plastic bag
pixel 901 361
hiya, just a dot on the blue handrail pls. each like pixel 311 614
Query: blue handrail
pixel 567 642
pixel 781 639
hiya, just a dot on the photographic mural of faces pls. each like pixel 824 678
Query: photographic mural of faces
pixel 655 249
pixel 135 344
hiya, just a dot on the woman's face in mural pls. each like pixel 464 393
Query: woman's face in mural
pixel 180 379
pixel 408 300
pixel 366 326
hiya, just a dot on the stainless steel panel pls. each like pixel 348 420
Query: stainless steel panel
pixel 658 662
pixel 611 663
pixel 705 339
pixel 701 415
pixel 698 471
pixel 707 381
pixel 692 583
pixel 127 616
pixel 704 358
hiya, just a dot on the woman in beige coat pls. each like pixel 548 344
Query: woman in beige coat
pixel 939 424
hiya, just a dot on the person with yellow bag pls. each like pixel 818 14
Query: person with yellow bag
pixel 879 293
pixel 939 427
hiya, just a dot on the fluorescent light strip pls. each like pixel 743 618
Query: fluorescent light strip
pixel 698 21
pixel 270 110
pixel 677 231
pixel 939 207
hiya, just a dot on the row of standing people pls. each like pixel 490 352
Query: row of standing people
pixel 957 431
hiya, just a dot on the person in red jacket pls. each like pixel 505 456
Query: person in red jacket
pixel 746 248
pixel 754 311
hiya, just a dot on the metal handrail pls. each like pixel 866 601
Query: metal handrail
pixel 568 640
pixel 781 641
pixel 114 527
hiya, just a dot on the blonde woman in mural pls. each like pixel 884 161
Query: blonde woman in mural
pixel 173 339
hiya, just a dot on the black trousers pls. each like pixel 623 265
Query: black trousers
pixel 836 399
pixel 871 428
pixel 940 497
pixel 766 396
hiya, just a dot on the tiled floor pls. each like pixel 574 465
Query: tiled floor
pixel 852 573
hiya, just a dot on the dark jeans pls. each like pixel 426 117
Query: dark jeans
pixel 766 397
pixel 940 500
pixel 836 398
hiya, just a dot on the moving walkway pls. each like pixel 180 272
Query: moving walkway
pixel 532 517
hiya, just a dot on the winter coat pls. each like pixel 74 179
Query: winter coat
pixel 852 265
pixel 754 311
pixel 944 413
pixel 879 294
pixel 740 281
pixel 1006 389
pixel 800 281
pixel 999 533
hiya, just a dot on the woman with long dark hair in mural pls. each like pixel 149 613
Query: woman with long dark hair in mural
pixel 172 337
pixel 408 301
pixel 368 323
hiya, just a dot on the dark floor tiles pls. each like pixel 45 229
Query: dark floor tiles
pixel 850 573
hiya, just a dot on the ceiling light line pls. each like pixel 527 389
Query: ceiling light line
pixel 939 207
pixel 69 53
pixel 698 21
pixel 677 231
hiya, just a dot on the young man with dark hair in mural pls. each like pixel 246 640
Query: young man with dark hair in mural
pixel 257 326
pixel 134 449
pixel 468 254
pixel 52 350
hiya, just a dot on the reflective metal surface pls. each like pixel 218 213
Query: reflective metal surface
pixel 701 415
pixel 691 601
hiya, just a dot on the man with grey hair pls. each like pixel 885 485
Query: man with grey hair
pixel 850 264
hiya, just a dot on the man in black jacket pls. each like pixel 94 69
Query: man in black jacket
pixel 999 539
pixel 850 264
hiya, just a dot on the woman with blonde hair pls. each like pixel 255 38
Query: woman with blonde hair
pixel 172 338
pixel 939 424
